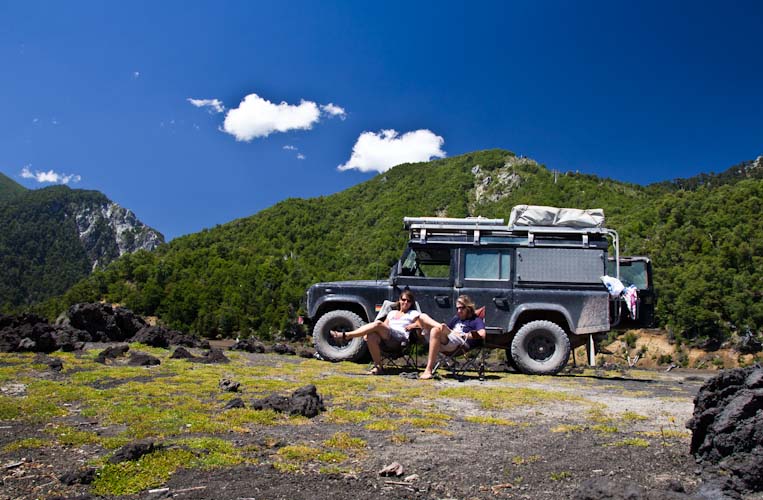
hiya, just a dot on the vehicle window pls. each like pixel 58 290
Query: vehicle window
pixel 487 265
pixel 429 263
pixel 634 274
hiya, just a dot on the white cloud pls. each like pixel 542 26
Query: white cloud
pixel 333 110
pixel 258 117
pixel 213 105
pixel 382 151
pixel 136 74
pixel 300 156
pixel 49 176
pixel 289 147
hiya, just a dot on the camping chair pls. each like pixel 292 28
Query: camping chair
pixel 403 355
pixel 465 358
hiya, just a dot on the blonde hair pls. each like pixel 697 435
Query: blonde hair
pixel 467 302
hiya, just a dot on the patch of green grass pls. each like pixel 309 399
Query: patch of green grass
pixel 630 416
pixel 149 471
pixel 400 439
pixel 383 425
pixel 506 397
pixel 604 429
pixel 667 434
pixel 335 469
pixel 486 420
pixel 338 415
pixel 71 436
pixel 287 467
pixel 560 476
pixel 636 442
pixel 26 444
pixel 298 453
pixel 343 441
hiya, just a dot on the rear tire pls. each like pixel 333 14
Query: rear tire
pixel 540 348
pixel 335 350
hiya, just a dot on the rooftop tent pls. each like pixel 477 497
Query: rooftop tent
pixel 535 215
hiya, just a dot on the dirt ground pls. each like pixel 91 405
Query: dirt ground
pixel 624 425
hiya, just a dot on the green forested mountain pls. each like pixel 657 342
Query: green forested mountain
pixel 53 237
pixel 250 274
pixel 9 188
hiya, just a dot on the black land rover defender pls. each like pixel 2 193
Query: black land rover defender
pixel 539 278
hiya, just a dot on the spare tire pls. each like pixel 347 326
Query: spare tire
pixel 337 350
pixel 540 348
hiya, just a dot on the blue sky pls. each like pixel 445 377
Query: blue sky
pixel 99 91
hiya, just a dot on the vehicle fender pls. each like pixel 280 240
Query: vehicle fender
pixel 346 299
pixel 541 306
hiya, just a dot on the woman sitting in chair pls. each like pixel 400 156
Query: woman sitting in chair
pixel 393 330
pixel 464 330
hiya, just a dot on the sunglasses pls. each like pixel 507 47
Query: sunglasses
pixel 458 308
pixel 405 300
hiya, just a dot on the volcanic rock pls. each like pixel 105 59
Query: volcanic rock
pixel 158 336
pixel 105 323
pixel 284 349
pixel 182 353
pixel 132 451
pixel 727 425
pixel 212 356
pixel 142 359
pixel 234 403
pixel 228 385
pixel 80 476
pixel 304 401
pixel 112 352
pixel 249 345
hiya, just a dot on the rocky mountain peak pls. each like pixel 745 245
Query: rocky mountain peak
pixel 108 231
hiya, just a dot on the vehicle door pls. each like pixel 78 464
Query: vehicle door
pixel 429 273
pixel 484 274
pixel 636 271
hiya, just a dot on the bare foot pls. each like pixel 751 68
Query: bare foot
pixel 426 375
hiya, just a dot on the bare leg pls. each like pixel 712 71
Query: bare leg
pixel 375 326
pixel 373 340
pixel 438 336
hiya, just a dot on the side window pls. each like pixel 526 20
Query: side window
pixel 484 264
pixel 427 263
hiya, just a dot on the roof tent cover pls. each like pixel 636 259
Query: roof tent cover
pixel 535 215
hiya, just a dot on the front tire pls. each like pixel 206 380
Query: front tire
pixel 333 350
pixel 540 348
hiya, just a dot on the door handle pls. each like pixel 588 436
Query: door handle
pixel 442 300
pixel 501 302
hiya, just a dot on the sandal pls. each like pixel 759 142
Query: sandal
pixel 376 370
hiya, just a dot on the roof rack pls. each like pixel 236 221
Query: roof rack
pixel 421 228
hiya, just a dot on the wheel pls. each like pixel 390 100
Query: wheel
pixel 510 361
pixel 333 350
pixel 540 348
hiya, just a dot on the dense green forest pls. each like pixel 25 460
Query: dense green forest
pixel 249 275
pixel 9 188
pixel 42 250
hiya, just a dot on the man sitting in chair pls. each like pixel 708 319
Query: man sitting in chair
pixel 464 330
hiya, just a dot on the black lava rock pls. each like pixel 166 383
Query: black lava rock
pixel 112 352
pixel 132 451
pixel 304 401
pixel 105 323
pixel 234 403
pixel 80 476
pixel 229 385
pixel 142 359
pixel 182 353
pixel 158 336
pixel 249 345
pixel 727 424
pixel 284 349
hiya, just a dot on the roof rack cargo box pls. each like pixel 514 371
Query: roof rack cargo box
pixel 537 215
